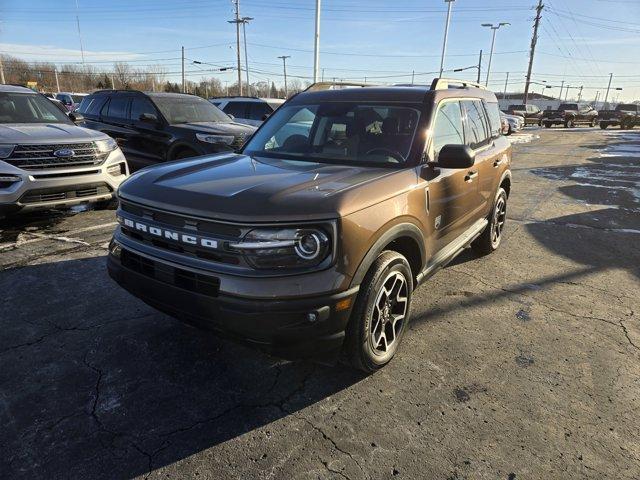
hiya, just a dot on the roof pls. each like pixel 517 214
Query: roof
pixel 414 94
pixel 15 89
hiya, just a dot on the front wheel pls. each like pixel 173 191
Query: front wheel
pixel 547 124
pixel 490 239
pixel 603 126
pixel 380 314
pixel 593 123
pixel 569 123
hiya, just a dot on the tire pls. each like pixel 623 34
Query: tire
pixel 569 123
pixel 184 153
pixel 594 122
pixel 547 124
pixel 510 131
pixel 110 204
pixel 389 277
pixel 603 126
pixel 488 241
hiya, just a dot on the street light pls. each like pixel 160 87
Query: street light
pixel 446 34
pixel 493 41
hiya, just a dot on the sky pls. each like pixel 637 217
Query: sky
pixel 382 41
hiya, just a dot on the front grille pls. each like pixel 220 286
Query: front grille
pixel 224 233
pixel 178 277
pixel 36 157
pixel 64 193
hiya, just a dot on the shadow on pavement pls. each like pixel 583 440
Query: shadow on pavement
pixel 95 384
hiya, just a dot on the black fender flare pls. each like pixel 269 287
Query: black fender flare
pixel 396 231
pixel 506 175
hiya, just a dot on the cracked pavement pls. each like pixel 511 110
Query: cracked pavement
pixel 520 365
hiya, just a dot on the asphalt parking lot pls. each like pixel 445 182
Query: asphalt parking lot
pixel 520 365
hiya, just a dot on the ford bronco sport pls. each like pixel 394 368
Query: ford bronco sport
pixel 310 241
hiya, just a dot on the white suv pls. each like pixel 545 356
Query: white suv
pixel 247 110
pixel 46 161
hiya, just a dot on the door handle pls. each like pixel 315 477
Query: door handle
pixel 470 176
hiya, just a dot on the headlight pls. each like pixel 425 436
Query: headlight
pixel 272 248
pixel 6 150
pixel 106 145
pixel 210 138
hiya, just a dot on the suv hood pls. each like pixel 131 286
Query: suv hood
pixel 230 128
pixel 257 189
pixel 47 133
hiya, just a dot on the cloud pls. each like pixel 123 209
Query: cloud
pixel 52 53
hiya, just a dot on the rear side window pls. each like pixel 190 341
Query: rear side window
pixel 91 105
pixel 447 127
pixel 477 132
pixel 117 107
pixel 237 109
pixel 495 124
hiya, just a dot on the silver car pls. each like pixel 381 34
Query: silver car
pixel 46 161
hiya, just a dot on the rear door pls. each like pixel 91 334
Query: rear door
pixel 478 137
pixel 148 142
pixel 451 192
pixel 491 159
pixel 114 119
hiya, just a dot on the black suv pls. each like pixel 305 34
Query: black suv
pixel 156 127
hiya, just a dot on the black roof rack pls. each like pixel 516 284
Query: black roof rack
pixel 318 86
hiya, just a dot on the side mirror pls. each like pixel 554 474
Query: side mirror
pixel 231 116
pixel 148 117
pixel 456 156
pixel 76 117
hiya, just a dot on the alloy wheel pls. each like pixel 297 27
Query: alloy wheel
pixel 499 217
pixel 389 313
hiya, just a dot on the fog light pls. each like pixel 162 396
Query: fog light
pixel 116 170
pixel 8 180
pixel 312 317
pixel 115 249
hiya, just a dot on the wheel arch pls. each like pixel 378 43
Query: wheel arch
pixel 505 182
pixel 404 238
pixel 178 146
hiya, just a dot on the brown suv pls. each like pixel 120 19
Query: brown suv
pixel 312 239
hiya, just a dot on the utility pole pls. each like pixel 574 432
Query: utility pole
pixel 534 40
pixel 413 76
pixel 446 34
pixel 606 95
pixel 182 69
pixel 580 93
pixel 237 21
pixel 284 66
pixel 79 34
pixel 479 66
pixel 566 92
pixel 506 82
pixel 244 21
pixel 113 84
pixel 561 88
pixel 55 71
pixel 316 47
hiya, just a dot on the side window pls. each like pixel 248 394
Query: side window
pixel 94 107
pixel 476 125
pixel 118 107
pixel 495 123
pixel 237 109
pixel 140 105
pixel 85 104
pixel 257 110
pixel 447 127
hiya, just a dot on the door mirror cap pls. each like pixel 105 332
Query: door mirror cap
pixel 76 117
pixel 231 116
pixel 456 156
pixel 148 117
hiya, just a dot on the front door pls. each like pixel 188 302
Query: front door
pixel 148 143
pixel 452 191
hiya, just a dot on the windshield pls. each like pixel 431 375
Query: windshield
pixel 29 108
pixel 568 106
pixel 517 107
pixel 627 106
pixel 345 132
pixel 188 109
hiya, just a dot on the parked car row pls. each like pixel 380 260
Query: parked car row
pixel 625 116
pixel 250 110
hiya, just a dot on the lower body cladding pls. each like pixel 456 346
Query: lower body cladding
pixel 292 328
pixel 24 190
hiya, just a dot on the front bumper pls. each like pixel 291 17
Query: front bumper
pixel 60 187
pixel 293 328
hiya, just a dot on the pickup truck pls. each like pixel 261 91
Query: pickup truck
pixel 625 115
pixel 570 115
pixel 530 113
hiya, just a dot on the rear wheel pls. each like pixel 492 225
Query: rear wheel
pixel 490 239
pixel 547 124
pixel 603 126
pixel 380 314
